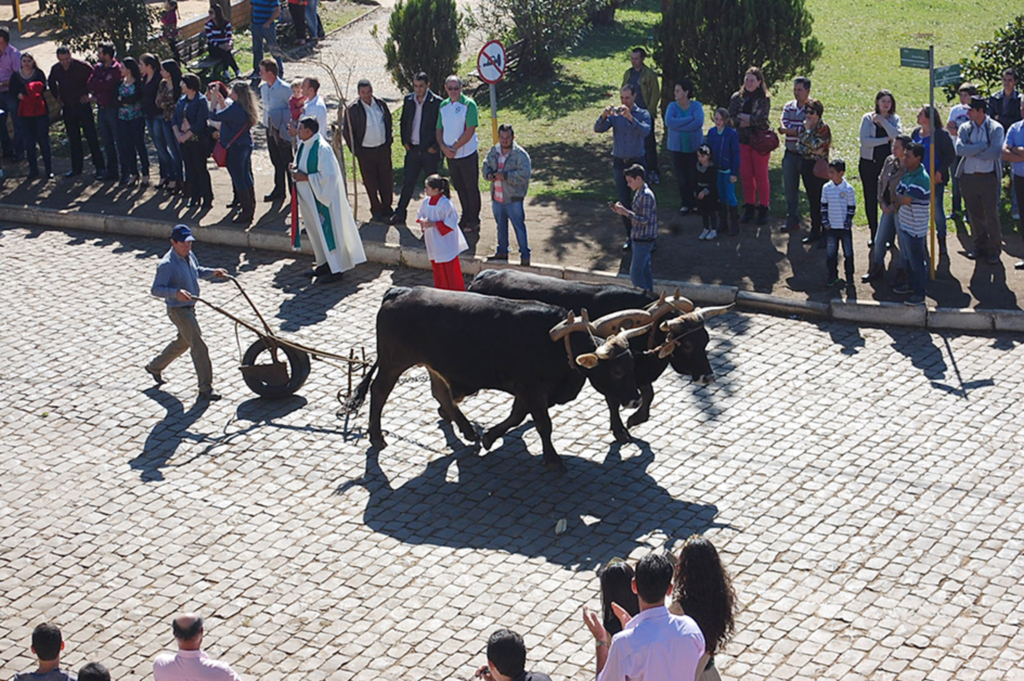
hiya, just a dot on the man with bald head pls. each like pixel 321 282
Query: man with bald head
pixel 190 663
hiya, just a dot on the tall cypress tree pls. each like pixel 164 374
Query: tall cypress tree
pixel 423 35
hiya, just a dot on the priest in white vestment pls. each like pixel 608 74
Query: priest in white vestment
pixel 326 215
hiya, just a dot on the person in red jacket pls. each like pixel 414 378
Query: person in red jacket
pixel 28 85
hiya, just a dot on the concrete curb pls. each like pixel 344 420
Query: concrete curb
pixel 866 312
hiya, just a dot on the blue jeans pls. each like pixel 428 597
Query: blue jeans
pixel 791 163
pixel 9 104
pixel 239 165
pixel 726 190
pixel 886 233
pixel 1014 207
pixel 259 34
pixel 640 272
pixel 176 165
pixel 36 131
pixel 131 142
pixel 833 237
pixel 915 257
pixel 156 133
pixel 106 118
pixel 940 211
pixel 503 212
pixel 312 20
pixel 958 203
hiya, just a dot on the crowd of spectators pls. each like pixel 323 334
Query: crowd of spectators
pixel 664 618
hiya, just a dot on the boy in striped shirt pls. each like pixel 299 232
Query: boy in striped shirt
pixel 913 196
pixel 838 204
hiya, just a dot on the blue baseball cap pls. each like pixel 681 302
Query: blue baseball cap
pixel 182 233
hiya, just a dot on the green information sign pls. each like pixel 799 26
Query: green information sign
pixel 914 58
pixel 947 75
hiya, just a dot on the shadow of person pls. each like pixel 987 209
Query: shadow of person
pixel 313 299
pixel 165 438
pixel 988 286
pixel 502 501
pixel 846 336
pixel 921 350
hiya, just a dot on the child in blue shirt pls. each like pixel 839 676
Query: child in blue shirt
pixel 725 150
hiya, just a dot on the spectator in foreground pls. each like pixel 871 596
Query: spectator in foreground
pixel 707 193
pixel 630 125
pixel 237 115
pixel 314 105
pixel 749 109
pixel 957 117
pixel 643 217
pixel 980 144
pixel 68 83
pixel 275 93
pixel 885 237
pixel 655 644
pixel 684 127
pixel 1005 108
pixel 1013 152
pixel 28 84
pixel 10 61
pixel 877 131
pixel 369 137
pixel 913 196
pixel 47 645
pixel 792 126
pixel 648 95
pixel 190 662
pixel 507 168
pixel 725 151
pixel 191 119
pixel 506 659
pixel 814 143
pixel 703 591
pixel 617 590
pixel 93 671
pixel 131 125
pixel 167 95
pixel 838 205
pixel 457 119
pixel 103 86
pixel 418 128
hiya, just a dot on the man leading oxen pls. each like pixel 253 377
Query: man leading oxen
pixel 681 343
pixel 539 353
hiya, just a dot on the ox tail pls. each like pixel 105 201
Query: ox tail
pixel 356 399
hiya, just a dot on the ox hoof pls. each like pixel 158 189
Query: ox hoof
pixel 636 419
pixel 487 441
pixel 443 415
pixel 378 442
pixel 555 465
pixel 622 436
pixel 470 435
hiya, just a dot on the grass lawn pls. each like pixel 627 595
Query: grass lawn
pixel 554 118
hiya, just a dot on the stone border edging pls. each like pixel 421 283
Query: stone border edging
pixel 867 312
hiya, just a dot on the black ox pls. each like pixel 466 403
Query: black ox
pixel 678 336
pixel 538 352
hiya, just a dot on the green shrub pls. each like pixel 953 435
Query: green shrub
pixel 423 35
pixel 713 42
pixel 985 67
pixel 84 24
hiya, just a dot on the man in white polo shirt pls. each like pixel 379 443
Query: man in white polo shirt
pixel 655 645
pixel 456 133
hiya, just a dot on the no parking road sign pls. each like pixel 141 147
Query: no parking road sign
pixel 490 63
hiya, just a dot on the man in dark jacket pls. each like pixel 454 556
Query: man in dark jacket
pixel 419 137
pixel 368 135
pixel 69 82
pixel 103 85
pixel 1005 107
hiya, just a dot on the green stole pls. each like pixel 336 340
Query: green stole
pixel 324 212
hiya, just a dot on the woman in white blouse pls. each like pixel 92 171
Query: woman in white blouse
pixel 878 129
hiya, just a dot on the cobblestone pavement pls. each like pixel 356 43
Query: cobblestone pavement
pixel 863 486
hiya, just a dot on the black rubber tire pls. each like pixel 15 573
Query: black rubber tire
pixel 298 371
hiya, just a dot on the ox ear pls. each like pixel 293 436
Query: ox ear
pixel 588 360
pixel 664 327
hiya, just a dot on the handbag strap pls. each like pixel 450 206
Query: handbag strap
pixel 237 135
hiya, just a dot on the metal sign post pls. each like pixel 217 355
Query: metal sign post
pixel 915 58
pixel 490 64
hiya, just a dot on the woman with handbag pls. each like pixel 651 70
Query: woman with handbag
pixel 813 144
pixel 237 114
pixel 192 132
pixel 27 85
pixel 878 129
pixel 749 110
pixel 167 95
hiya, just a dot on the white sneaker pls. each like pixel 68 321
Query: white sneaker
pixel 1016 216
pixel 704 234
pixel 712 235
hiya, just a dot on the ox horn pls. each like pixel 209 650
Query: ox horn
pixel 570 325
pixel 628 334
pixel 664 307
pixel 709 312
pixel 613 323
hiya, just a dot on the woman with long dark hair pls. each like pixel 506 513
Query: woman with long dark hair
pixel 616 587
pixel 149 65
pixel 703 591
pixel 929 129
pixel 878 129
pixel 131 125
pixel 237 115
pixel 814 143
pixel 220 39
pixel 27 85
pixel 190 127
pixel 167 95
pixel 749 109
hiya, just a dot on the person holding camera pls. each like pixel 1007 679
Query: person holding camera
pixel 630 126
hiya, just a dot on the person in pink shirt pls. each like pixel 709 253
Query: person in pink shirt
pixel 190 663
